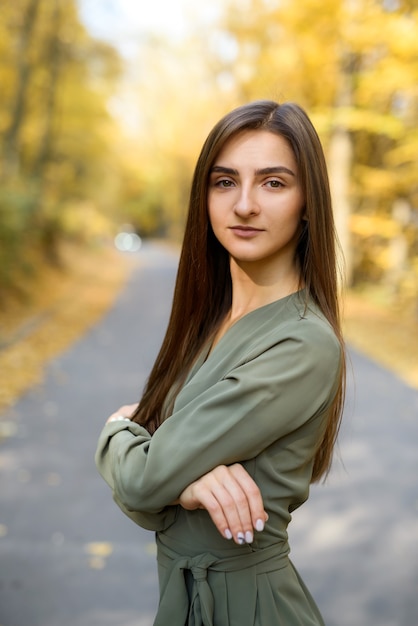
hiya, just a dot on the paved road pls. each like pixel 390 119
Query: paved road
pixel 68 557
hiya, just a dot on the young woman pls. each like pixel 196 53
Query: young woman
pixel 242 408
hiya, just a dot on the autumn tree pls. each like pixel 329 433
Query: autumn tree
pixel 55 128
pixel 354 66
pixel 167 107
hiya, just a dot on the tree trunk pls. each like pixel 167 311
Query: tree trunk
pixel 11 137
pixel 53 62
pixel 340 160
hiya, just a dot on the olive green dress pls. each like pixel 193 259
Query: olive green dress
pixel 260 398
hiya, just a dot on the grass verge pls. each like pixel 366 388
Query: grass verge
pixel 387 335
pixel 58 307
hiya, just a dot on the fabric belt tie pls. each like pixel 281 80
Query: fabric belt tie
pixel 200 609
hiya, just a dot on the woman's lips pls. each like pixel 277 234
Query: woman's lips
pixel 245 231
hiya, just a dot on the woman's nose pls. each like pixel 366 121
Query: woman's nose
pixel 246 203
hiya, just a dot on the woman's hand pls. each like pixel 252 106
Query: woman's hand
pixel 232 499
pixel 125 411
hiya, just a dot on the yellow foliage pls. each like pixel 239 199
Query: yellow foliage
pixel 374 225
pixel 375 182
pixel 86 223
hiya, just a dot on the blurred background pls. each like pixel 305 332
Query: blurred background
pixel 104 107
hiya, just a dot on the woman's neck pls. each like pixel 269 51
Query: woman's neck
pixel 254 287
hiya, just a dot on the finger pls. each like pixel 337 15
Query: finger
pixel 225 503
pixel 234 502
pixel 236 508
pixel 205 496
pixel 253 494
pixel 124 411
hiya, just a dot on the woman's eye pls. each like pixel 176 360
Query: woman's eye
pixel 275 184
pixel 225 183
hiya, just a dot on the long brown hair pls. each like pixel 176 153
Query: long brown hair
pixel 203 290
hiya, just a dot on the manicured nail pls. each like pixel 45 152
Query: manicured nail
pixel 241 538
pixel 249 537
pixel 228 534
pixel 259 525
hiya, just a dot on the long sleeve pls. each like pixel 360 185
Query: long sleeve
pixel 104 461
pixel 265 392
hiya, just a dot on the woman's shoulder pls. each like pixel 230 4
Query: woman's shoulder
pixel 308 322
pixel 298 311
pixel 294 326
pixel 306 310
pixel 300 322
pixel 316 333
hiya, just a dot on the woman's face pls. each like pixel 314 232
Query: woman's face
pixel 255 200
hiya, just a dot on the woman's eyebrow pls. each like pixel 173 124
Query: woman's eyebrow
pixel 277 169
pixel 265 171
pixel 224 170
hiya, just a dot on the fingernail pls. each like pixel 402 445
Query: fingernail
pixel 259 525
pixel 249 537
pixel 241 538
pixel 228 534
